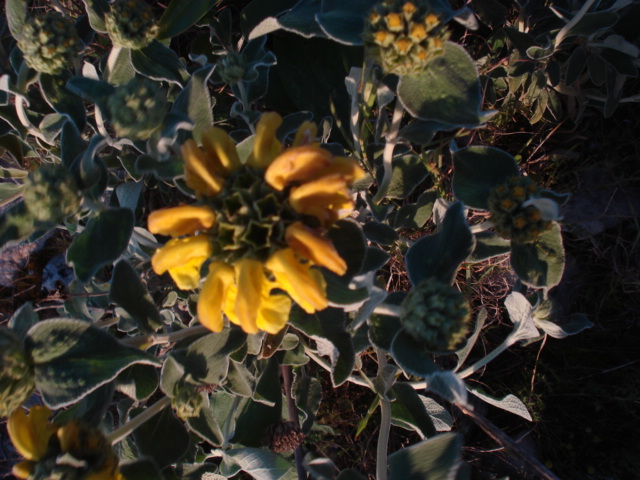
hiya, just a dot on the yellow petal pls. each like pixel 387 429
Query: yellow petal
pixel 30 433
pixel 298 164
pixel 182 258
pixel 199 171
pixel 326 192
pixel 22 469
pixel 346 167
pixel 69 437
pixel 319 250
pixel 306 134
pixel 183 220
pixel 266 146
pixel 213 295
pixel 250 277
pixel 230 304
pixel 273 313
pixel 295 278
pixel 219 147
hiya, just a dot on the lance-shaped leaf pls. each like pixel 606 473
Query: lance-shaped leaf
pixel 448 90
pixel 72 358
pixel 194 101
pixel 327 328
pixel 180 16
pixel 436 459
pixel 158 63
pixel 101 242
pixel 575 323
pixel 216 423
pixel 477 170
pixel 412 356
pixel 439 256
pixel 260 463
pixel 16 13
pixel 163 438
pixel 409 412
pixel 521 314
pixel 510 403
pixel 541 262
pixel 128 291
pixel 62 100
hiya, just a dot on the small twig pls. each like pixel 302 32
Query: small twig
pixel 509 445
pixel 535 367
pixel 147 341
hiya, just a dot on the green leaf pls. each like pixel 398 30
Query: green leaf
pixel 575 65
pixel 327 328
pixel 260 463
pixel 180 16
pixel 435 459
pixel 407 173
pixel 348 239
pixel 119 69
pixel 440 255
pixel 206 360
pixel 449 386
pixel 383 328
pixel 414 215
pixel 16 223
pixel 61 99
pixel 408 411
pixel 255 17
pixel 9 191
pixel 464 352
pixel 307 392
pixel 128 291
pixel 540 263
pixel 72 358
pixel 591 24
pixel 448 91
pixel 95 90
pixel 71 144
pixel 16 13
pixel 23 319
pixel 442 420
pixel 575 323
pixel 489 245
pixel 379 233
pixel 342 21
pixel 412 356
pixel 96 10
pixel 510 403
pixel 51 126
pixel 477 170
pixel 102 241
pixel 138 382
pixel 163 438
pixel 158 63
pixel 216 423
pixel 195 101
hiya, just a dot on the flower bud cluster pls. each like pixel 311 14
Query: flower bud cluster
pixel 137 108
pixel 513 217
pixel 435 314
pixel 231 67
pixel 131 24
pixel 50 43
pixel 403 36
pixel 187 400
pixel 16 374
pixel 51 193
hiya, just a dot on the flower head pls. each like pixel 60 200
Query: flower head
pixel 130 24
pixel 72 450
pixel 259 228
pixel 403 36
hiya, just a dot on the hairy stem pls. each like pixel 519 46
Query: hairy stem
pixel 285 370
pixel 385 423
pixel 146 341
pixel 387 154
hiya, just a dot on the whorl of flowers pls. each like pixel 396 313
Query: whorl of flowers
pixel 16 373
pixel 435 314
pixel 137 108
pixel 72 450
pixel 403 36
pixel 49 43
pixel 513 216
pixel 259 223
pixel 50 193
pixel 130 24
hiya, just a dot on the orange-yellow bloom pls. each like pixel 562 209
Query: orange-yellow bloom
pixel 303 284
pixel 182 258
pixel 298 164
pixel 179 221
pixel 30 433
pixel 265 145
pixel 200 171
pixel 312 246
pixel 213 294
pixel 249 277
pixel 320 197
pixel 220 149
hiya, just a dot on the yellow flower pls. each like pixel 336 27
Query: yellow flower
pixel 182 258
pixel 42 443
pixel 261 224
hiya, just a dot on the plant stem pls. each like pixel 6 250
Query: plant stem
pixel 121 433
pixel 387 309
pixel 387 154
pixel 285 370
pixel 385 423
pixel 481 227
pixel 509 445
pixel 316 358
pixel 147 341
pixel 483 361
pixel 565 30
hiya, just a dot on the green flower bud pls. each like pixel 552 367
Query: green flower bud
pixel 51 193
pixel 187 400
pixel 231 67
pixel 514 213
pixel 403 36
pixel 50 43
pixel 130 24
pixel 435 314
pixel 16 373
pixel 137 108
